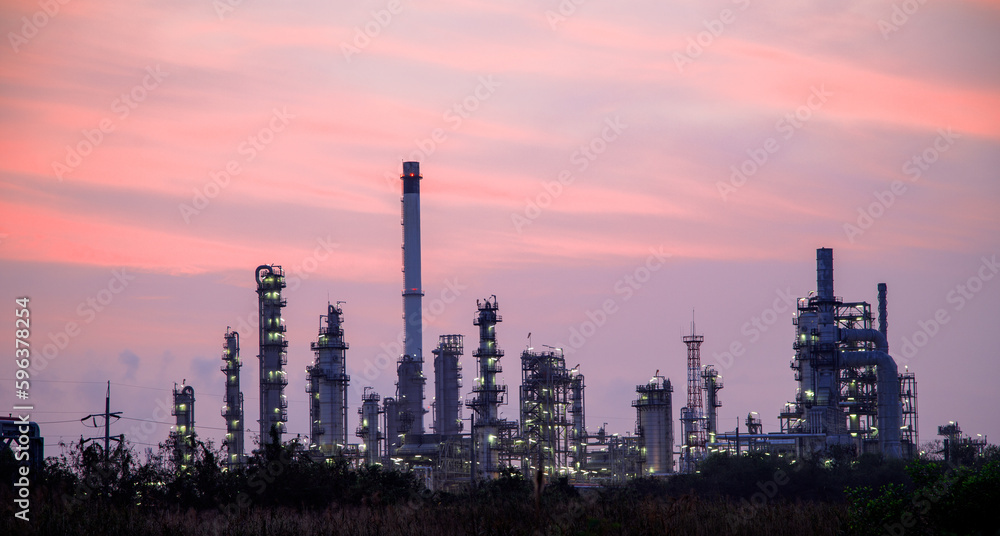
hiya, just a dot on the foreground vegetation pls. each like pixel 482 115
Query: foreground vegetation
pixel 281 492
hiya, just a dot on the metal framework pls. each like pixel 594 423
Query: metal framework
pixel 488 396
pixel 272 356
pixel 232 409
pixel 326 384
pixel 849 387
pixel 578 430
pixel 545 403
pixel 909 439
pixel 692 416
pixel 712 384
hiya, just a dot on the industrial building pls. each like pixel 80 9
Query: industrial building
pixel 849 394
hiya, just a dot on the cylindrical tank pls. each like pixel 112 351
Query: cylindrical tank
pixel 447 384
pixel 655 424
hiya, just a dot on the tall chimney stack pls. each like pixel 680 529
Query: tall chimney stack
pixel 410 386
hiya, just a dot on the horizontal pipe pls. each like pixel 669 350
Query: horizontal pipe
pixel 866 335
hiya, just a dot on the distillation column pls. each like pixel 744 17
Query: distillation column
pixel 410 383
pixel 578 432
pixel 655 425
pixel 327 384
pixel 713 382
pixel 447 385
pixel 232 410
pixel 393 436
pixel 487 395
pixel 183 434
pixel 368 430
pixel 272 356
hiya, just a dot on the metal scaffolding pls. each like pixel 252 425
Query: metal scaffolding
pixel 326 384
pixel 488 396
pixel 545 423
pixel 850 393
pixel 692 416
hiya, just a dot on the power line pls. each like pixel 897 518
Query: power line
pixel 170 423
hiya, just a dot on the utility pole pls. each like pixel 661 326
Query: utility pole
pixel 107 415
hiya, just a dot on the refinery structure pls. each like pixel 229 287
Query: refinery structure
pixel 849 394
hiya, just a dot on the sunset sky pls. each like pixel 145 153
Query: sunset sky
pixel 667 157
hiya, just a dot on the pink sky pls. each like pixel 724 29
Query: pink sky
pixel 496 102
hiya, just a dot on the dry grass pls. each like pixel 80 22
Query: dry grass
pixel 594 516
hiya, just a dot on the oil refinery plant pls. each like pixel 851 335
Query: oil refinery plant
pixel 849 394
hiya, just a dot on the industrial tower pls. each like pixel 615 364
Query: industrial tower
pixel 692 418
pixel 655 424
pixel 410 382
pixel 232 409
pixel 272 356
pixel 546 427
pixel 849 390
pixel 447 386
pixel 578 430
pixel 712 385
pixel 183 434
pixel 487 395
pixel 368 429
pixel 326 385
